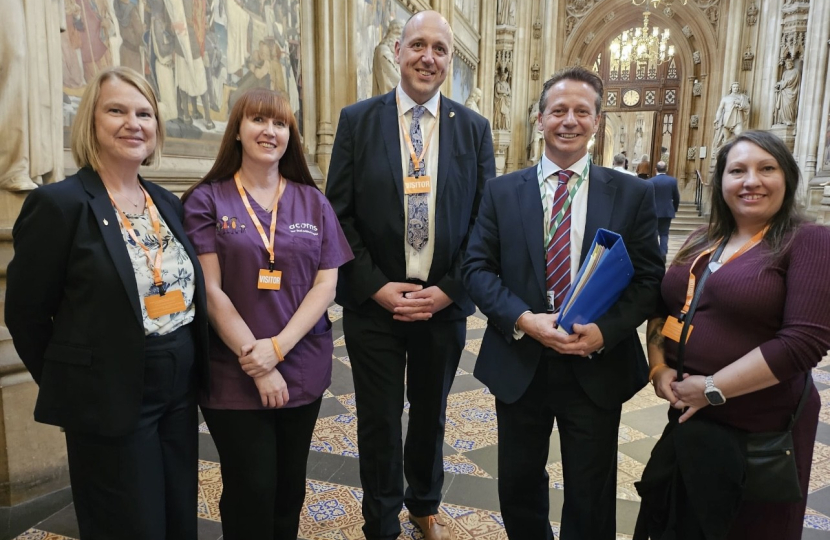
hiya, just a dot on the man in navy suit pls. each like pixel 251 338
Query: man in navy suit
pixel 666 201
pixel 406 176
pixel 534 228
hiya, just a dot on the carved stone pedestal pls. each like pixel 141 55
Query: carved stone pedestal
pixel 501 142
pixel 785 133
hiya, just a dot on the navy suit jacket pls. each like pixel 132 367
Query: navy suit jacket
pixel 72 305
pixel 365 187
pixel 666 195
pixel 504 274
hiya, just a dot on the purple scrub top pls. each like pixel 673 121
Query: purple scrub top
pixel 308 238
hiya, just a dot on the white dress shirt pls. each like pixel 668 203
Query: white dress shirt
pixel 418 263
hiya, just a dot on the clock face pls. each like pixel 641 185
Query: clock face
pixel 631 98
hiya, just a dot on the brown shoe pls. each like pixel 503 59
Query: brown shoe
pixel 433 527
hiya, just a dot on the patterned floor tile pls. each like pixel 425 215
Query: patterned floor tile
pixel 203 428
pixel 210 489
pixel 347 400
pixel 643 399
pixel 627 434
pixel 34 534
pixel 340 342
pixel 475 323
pixel 461 464
pixel 473 345
pixel 471 420
pixel 816 520
pixel 820 474
pixel 345 360
pixel 336 435
pixel 335 313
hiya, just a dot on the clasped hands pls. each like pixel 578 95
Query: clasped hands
pixel 259 360
pixel 585 339
pixel 686 394
pixel 409 302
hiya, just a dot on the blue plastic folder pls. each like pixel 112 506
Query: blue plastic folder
pixel 604 275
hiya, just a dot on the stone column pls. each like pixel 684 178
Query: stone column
pixel 814 86
pixel 325 130
pixel 487 56
pixel 503 97
pixel 501 142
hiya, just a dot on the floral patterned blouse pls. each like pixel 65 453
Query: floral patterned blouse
pixel 177 271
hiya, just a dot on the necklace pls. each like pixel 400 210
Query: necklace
pixel 134 204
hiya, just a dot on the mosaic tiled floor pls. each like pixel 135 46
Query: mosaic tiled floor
pixel 332 510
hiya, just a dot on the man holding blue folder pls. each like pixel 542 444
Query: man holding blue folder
pixel 534 228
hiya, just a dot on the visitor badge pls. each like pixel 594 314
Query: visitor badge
pixel 160 305
pixel 269 279
pixel 414 185
pixel 673 328
pixel 549 295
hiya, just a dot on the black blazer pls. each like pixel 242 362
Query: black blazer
pixel 504 273
pixel 666 195
pixel 365 187
pixel 72 307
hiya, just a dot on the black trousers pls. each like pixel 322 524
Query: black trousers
pixel 588 440
pixel 663 226
pixel 383 352
pixel 143 486
pixel 263 455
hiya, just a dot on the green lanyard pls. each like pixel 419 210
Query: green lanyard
pixel 571 194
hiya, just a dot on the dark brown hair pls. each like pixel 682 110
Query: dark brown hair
pixel 573 73
pixel 722 223
pixel 258 101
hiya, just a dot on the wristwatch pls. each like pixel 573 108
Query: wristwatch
pixel 713 394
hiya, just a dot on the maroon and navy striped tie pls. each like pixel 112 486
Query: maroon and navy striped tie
pixel 558 260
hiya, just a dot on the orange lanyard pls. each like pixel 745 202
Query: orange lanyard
pixel 154 265
pixel 690 289
pixel 269 243
pixel 416 160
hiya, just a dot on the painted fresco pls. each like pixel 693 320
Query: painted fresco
pixel 463 80
pixel 199 55
pixel 372 20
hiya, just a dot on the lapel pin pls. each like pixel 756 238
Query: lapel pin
pixel 452 113
pixel 106 222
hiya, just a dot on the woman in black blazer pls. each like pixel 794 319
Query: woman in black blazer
pixel 112 328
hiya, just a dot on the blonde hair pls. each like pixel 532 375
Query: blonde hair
pixel 84 142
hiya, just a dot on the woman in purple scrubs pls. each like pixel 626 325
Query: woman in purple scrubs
pixel 270 246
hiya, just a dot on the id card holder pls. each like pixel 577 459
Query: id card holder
pixel 415 185
pixel 549 296
pixel 673 328
pixel 159 306
pixel 269 280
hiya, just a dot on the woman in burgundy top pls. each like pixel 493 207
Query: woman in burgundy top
pixel 763 319
pixel 270 246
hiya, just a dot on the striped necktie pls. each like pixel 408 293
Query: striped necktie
pixel 558 260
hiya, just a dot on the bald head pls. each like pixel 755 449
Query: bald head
pixel 661 167
pixel 429 15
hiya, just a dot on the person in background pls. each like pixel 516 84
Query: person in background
pixel 406 175
pixel 619 164
pixel 644 168
pixel 270 246
pixel 666 201
pixel 762 322
pixel 105 302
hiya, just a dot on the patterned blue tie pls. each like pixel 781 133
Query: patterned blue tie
pixel 417 230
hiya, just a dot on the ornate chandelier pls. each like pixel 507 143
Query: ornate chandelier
pixel 656 3
pixel 642 44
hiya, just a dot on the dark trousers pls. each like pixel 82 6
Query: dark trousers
pixel 263 455
pixel 143 486
pixel 382 352
pixel 663 225
pixel 588 441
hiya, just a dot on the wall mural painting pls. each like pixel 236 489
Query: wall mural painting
pixel 372 21
pixel 463 80
pixel 199 55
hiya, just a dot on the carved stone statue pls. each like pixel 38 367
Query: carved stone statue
pixel 506 13
pixel 751 14
pixel 536 139
pixel 687 31
pixel 786 95
pixel 731 116
pixel 697 88
pixel 501 102
pixel 473 99
pixel 385 71
pixel 30 99
pixel 694 121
